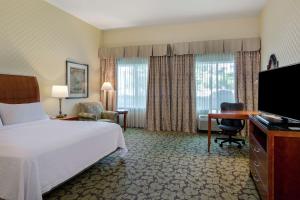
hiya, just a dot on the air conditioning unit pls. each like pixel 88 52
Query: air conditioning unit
pixel 203 123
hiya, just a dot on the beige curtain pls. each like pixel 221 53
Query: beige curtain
pixel 107 73
pixel 183 88
pixel 248 67
pixel 171 94
pixel 158 99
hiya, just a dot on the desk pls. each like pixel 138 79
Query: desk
pixel 227 115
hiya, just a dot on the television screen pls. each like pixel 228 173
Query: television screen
pixel 279 91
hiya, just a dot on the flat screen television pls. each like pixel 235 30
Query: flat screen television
pixel 279 92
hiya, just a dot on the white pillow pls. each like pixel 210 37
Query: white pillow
pixel 21 113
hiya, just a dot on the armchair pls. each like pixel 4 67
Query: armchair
pixel 94 111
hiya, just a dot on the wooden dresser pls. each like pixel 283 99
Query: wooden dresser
pixel 274 161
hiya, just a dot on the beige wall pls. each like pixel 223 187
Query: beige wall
pixel 280 31
pixel 205 30
pixel 37 38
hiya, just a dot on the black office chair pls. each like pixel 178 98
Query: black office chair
pixel 231 127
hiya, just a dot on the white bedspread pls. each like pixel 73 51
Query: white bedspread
pixel 37 156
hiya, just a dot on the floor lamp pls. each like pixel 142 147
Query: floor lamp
pixel 106 87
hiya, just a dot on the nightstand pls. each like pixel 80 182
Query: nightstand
pixel 68 117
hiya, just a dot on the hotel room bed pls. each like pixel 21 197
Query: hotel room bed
pixel 36 156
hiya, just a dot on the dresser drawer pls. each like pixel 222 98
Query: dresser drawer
pixel 254 143
pixel 260 184
pixel 258 154
pixel 259 166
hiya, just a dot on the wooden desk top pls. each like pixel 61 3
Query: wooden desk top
pixel 233 114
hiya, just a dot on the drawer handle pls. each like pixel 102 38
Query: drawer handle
pixel 256 150
pixel 255 178
pixel 256 164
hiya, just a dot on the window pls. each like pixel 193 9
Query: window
pixel 132 77
pixel 215 81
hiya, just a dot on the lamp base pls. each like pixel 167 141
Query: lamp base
pixel 61 116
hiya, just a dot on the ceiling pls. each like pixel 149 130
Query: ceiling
pixel 111 14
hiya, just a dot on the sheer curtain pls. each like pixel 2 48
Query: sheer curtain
pixel 215 81
pixel 132 77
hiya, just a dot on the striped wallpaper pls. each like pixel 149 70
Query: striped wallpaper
pixel 280 31
pixel 36 39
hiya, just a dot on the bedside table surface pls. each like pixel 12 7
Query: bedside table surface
pixel 121 111
pixel 69 117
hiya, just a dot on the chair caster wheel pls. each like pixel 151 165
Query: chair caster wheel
pixel 221 145
pixel 216 141
pixel 243 142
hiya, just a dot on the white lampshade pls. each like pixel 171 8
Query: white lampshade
pixel 60 91
pixel 107 86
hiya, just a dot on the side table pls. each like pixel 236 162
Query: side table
pixel 123 112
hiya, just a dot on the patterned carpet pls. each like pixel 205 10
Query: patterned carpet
pixel 164 165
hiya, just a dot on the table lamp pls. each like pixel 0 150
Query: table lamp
pixel 107 87
pixel 60 92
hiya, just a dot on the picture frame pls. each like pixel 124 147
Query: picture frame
pixel 77 79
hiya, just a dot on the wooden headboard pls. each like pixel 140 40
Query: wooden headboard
pixel 15 89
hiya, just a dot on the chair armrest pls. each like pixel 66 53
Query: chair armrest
pixel 243 124
pixel 87 116
pixel 112 115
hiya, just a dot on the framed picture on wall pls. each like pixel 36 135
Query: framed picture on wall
pixel 77 79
